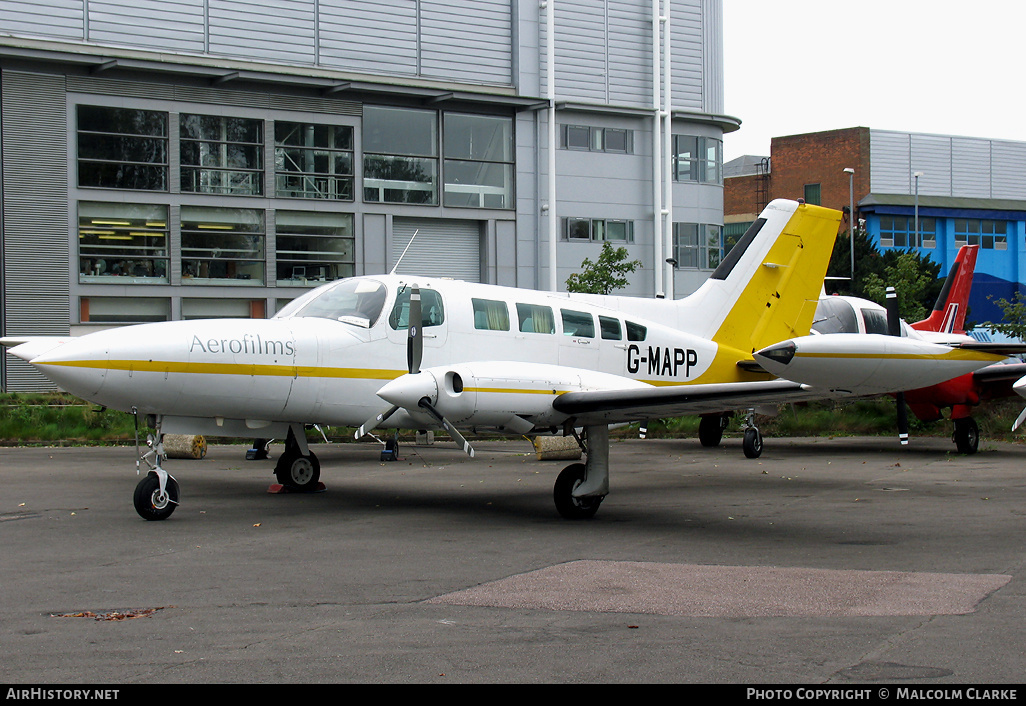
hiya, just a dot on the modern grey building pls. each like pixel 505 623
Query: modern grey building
pixel 208 158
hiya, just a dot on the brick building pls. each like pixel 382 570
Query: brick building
pixel 958 190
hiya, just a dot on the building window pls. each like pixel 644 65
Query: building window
pixel 988 234
pixel 122 243
pixel 400 155
pixel 697 159
pixel 313 161
pixel 223 308
pixel 222 155
pixel 900 232
pixel 313 248
pixel 222 245
pixel 119 148
pixel 598 229
pixel 697 246
pixel 478 164
pixel 123 310
pixel 597 139
pixel 813 194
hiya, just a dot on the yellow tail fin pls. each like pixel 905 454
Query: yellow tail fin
pixel 776 294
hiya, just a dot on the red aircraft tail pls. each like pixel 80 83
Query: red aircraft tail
pixel 948 315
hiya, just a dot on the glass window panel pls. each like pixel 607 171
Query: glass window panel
pixel 610 328
pixel 313 161
pixel 478 184
pixel 616 230
pixel 478 137
pixel 636 332
pixel 578 323
pixel 222 245
pixel 578 229
pixel 400 180
pixel 536 319
pixel 490 315
pixel 313 248
pixel 615 140
pixel 122 243
pixel 121 148
pixel 400 131
pixel 221 155
pixel 124 310
pixel 578 137
pixel 432 312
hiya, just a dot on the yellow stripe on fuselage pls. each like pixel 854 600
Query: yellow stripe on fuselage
pixel 955 354
pixel 251 369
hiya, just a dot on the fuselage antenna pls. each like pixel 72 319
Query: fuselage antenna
pixel 396 266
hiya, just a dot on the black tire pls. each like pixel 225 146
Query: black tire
pixel 752 443
pixel 967 435
pixel 149 502
pixel 568 506
pixel 298 472
pixel 710 430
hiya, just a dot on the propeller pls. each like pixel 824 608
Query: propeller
pixel 1020 389
pixel 894 329
pixel 407 389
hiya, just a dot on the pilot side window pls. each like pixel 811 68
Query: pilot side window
pixel 535 319
pixel 490 315
pixel 432 313
pixel 578 323
pixel 610 328
pixel 876 321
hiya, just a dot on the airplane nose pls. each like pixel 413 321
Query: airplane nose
pixel 781 354
pixel 79 366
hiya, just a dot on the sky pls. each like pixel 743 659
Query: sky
pixel 928 66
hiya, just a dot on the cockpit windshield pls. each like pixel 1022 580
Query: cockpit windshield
pixel 835 316
pixel 353 301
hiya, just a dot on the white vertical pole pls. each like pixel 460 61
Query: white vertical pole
pixel 550 59
pixel 668 136
pixel 657 169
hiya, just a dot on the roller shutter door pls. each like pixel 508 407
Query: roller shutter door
pixel 442 248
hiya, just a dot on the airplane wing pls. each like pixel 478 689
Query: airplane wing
pixel 625 405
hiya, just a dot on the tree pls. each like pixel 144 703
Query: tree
pixel 915 278
pixel 609 272
pixel 912 279
pixel 1013 323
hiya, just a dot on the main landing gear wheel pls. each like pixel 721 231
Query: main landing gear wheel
pixel 966 435
pixel 150 502
pixel 752 443
pixel 298 472
pixel 562 493
pixel 710 429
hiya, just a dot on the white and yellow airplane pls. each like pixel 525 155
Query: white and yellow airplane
pixel 476 357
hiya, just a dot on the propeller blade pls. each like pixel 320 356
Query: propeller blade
pixel 374 422
pixel 902 419
pixel 893 316
pixel 415 340
pixel 894 329
pixel 1019 420
pixel 453 432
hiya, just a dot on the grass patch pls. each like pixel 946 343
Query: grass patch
pixel 58 418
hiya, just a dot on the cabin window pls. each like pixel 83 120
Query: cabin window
pixel 875 320
pixel 636 332
pixel 535 319
pixel 578 323
pixel 432 313
pixel 610 328
pixel 835 316
pixel 490 315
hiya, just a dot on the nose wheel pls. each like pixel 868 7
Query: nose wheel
pixel 154 502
